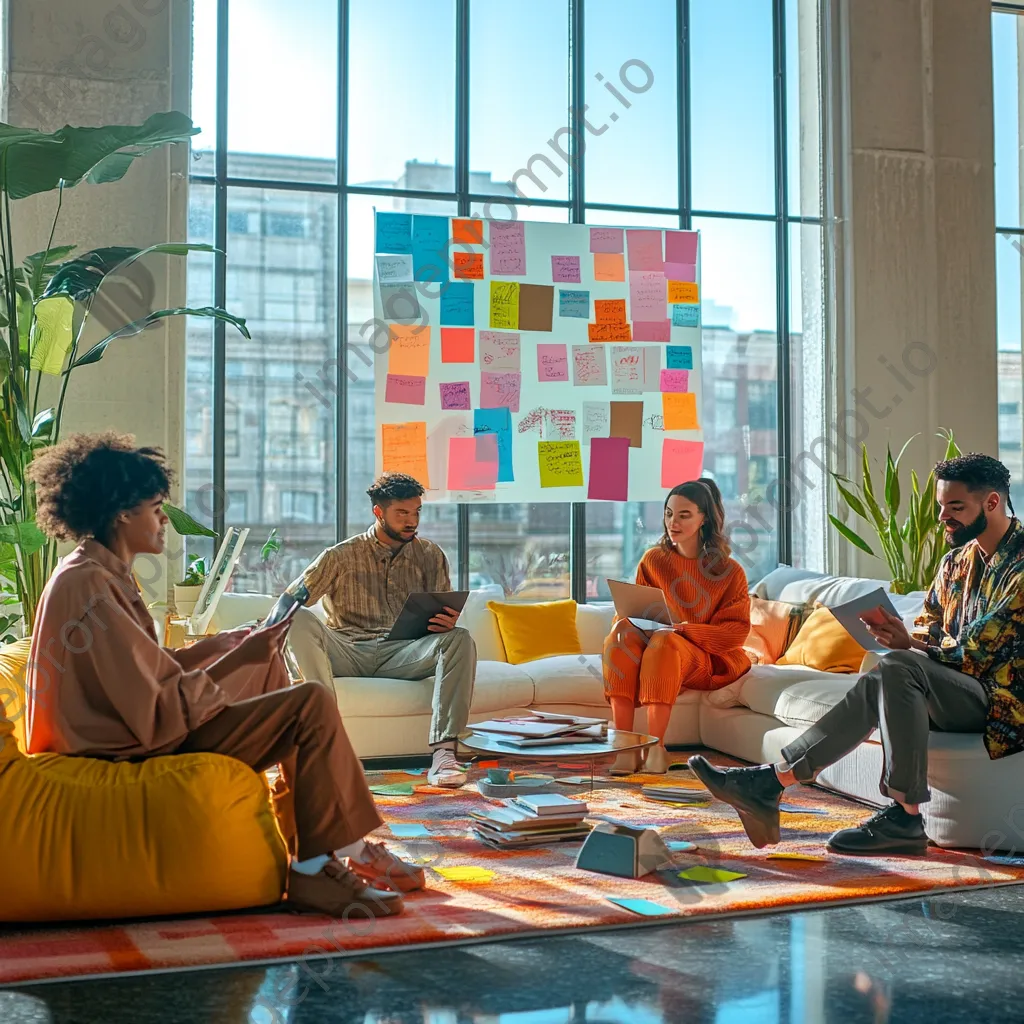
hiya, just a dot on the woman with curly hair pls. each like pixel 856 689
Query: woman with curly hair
pixel 706 593
pixel 99 683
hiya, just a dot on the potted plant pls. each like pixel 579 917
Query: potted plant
pixel 913 549
pixel 45 302
pixel 186 593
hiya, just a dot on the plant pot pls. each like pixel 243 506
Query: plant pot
pixel 185 599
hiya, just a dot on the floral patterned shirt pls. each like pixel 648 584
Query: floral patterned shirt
pixel 974 620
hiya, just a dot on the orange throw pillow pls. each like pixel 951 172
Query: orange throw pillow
pixel 823 644
pixel 773 625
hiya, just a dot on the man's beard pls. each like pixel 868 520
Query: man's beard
pixel 395 535
pixel 958 537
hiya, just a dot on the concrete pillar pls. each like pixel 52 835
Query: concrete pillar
pixel 916 281
pixel 95 63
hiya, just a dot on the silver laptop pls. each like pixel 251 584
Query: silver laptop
pixel 645 607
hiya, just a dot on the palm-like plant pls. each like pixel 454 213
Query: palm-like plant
pixel 45 303
pixel 914 549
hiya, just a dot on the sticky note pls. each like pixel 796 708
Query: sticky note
pixel 536 304
pixel 457 304
pixel 1016 862
pixel 465 873
pixel 597 420
pixel 467 232
pixel 393 789
pixel 400 302
pixel 647 295
pixel 700 873
pixel 561 464
pixel 473 463
pixel 404 449
pixel 652 368
pixel 681 272
pixel 407 831
pixel 499 423
pixel 409 350
pixel 507 247
pixel 680 411
pixel 609 332
pixel 574 304
pixel 499 350
pixel 505 304
pixel 680 461
pixel 681 246
pixel 797 809
pixel 552 363
pixel 680 845
pixel 429 248
pixel 652 330
pixel 455 395
pixel 627 420
pixel 680 291
pixel 565 269
pixel 627 369
pixel 646 908
pixel 675 380
pixel 643 247
pixel 589 366
pixel 679 357
pixel 609 469
pixel 395 267
pixel 560 425
pixel 814 858
pixel 609 266
pixel 606 239
pixel 457 345
pixel 394 233
pixel 468 265
pixel 610 311
pixel 499 390
pixel 403 390
pixel 413 771
pixel 686 316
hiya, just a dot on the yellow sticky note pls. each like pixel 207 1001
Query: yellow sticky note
pixel 409 350
pixel 683 291
pixel 51 334
pixel 561 464
pixel 798 856
pixel 465 873
pixel 700 873
pixel 680 410
pixel 404 449
pixel 505 304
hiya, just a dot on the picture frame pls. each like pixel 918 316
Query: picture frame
pixel 217 580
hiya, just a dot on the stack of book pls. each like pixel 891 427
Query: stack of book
pixel 675 794
pixel 543 729
pixel 533 820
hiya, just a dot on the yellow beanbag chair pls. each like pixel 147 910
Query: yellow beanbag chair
pixel 84 838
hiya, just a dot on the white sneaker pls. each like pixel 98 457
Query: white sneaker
pixel 445 770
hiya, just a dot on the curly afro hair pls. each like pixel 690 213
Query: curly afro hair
pixel 389 487
pixel 86 480
pixel 977 472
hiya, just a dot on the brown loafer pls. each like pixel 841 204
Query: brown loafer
pixel 338 892
pixel 379 867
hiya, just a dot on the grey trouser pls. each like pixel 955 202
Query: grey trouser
pixel 448 659
pixel 904 696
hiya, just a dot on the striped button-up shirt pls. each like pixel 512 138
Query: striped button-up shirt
pixel 364 582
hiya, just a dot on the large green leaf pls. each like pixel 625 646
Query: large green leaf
pixel 25 535
pixel 850 498
pixel 892 484
pixel 52 334
pixel 184 524
pixel 137 326
pixel 32 161
pixel 855 539
pixel 40 267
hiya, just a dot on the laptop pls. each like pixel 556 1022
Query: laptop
pixel 645 607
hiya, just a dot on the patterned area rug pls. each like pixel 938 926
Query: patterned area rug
pixel 496 894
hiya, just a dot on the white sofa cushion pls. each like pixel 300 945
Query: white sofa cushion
pixel 567 679
pixel 482 623
pixel 794 694
pixel 594 623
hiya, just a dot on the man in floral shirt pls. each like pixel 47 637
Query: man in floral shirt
pixel 962 670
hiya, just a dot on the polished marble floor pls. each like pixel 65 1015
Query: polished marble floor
pixel 952 957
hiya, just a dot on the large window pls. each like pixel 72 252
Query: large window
pixel 589 111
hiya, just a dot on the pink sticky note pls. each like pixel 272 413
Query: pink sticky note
pixel 681 247
pixel 674 380
pixel 644 250
pixel 680 461
pixel 565 269
pixel 507 247
pixel 402 390
pixel 473 463
pixel 652 330
pixel 648 295
pixel 456 395
pixel 552 363
pixel 609 469
pixel 681 272
pixel 500 390
pixel 606 239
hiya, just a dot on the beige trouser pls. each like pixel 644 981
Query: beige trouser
pixel 448 659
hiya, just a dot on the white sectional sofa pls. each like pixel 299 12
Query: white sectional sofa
pixel 975 801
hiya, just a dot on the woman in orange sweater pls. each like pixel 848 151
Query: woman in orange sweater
pixel 706 592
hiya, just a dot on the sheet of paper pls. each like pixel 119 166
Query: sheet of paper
pixel 473 463
pixel 532 422
pixel 627 420
pixel 394 233
pixel 643 247
pixel 848 616
pixel 647 295
pixel 536 307
pixel 466 873
pixel 680 845
pixel 681 246
pixel 597 420
pixel 409 351
pixel 811 857
pixel 552 363
pixel 467 232
pixel 458 345
pixel 561 464
pixel 609 469
pixel 500 350
pixel 627 370
pixel 652 330
pixel 681 271
pixel 407 830
pixel 675 380
pixel 468 265
pixel 404 449
pixel 430 247
pixel 394 268
pixel 606 239
pixel 679 357
pixel 565 269
pixel 609 266
pixel 560 425
pixel 610 311
pixel 393 789
pixel 402 390
pixel 574 303
pixel 645 908
pixel 500 389
pixel 508 247
pixel 505 304
pixel 499 423
pixel 610 332
pixel 680 411
pixel 455 395
pixel 400 303
pixel 700 873
pixel 686 316
pixel 652 368
pixel 589 366
pixel 457 304
pixel 797 809
pixel 680 461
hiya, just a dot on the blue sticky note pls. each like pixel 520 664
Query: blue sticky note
pixel 457 304
pixel 408 831
pixel 685 315
pixel 411 771
pixel 430 237
pixel 1014 862
pixel 574 303
pixel 394 232
pixel 679 357
pixel 499 422
pixel 647 908
pixel 680 845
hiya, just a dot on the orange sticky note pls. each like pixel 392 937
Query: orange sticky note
pixel 468 265
pixel 680 409
pixel 468 232
pixel 609 266
pixel 683 291
pixel 458 345
pixel 610 311
pixel 409 351
pixel 404 449
pixel 610 332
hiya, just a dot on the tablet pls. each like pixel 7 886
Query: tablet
pixel 287 604
pixel 414 619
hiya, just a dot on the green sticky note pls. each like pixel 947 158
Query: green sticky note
pixel 393 789
pixel 700 873
pixel 647 908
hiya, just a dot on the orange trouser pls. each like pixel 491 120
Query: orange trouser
pixel 651 669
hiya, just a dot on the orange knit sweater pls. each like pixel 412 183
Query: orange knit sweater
pixel 714 606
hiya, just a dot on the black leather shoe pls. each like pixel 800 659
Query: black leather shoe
pixel 754 792
pixel 891 830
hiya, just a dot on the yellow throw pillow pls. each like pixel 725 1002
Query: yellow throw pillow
pixel 13 665
pixel 532 631
pixel 822 643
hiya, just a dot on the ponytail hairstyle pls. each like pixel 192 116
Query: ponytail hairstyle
pixel 704 493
